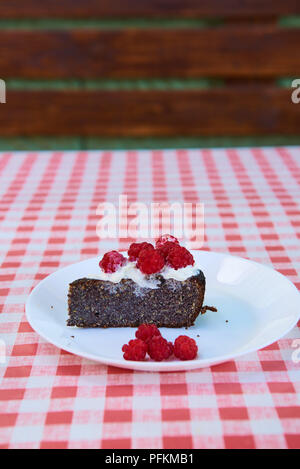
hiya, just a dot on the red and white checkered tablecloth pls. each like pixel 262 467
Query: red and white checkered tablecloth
pixel 52 399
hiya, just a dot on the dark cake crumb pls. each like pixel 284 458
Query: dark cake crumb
pixel 208 308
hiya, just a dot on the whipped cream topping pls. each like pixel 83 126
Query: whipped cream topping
pixel 180 274
pixel 130 271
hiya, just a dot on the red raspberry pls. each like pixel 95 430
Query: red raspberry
pixel 164 239
pixel 112 261
pixel 136 248
pixel 179 257
pixel 135 350
pixel 185 348
pixel 165 248
pixel 146 331
pixel 150 261
pixel 159 348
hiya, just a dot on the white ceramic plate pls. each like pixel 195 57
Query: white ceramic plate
pixel 256 307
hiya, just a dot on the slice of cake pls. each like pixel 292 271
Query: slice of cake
pixel 158 285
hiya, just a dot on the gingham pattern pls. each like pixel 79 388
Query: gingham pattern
pixel 51 399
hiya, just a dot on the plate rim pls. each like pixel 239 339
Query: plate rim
pixel 166 366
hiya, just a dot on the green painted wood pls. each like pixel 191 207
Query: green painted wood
pixel 81 143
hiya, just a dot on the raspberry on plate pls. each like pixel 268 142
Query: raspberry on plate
pixel 159 348
pixel 135 350
pixel 145 332
pixel 179 257
pixel 112 261
pixel 135 249
pixel 165 239
pixel 185 348
pixel 150 261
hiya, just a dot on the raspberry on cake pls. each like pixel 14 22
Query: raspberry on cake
pixel 150 261
pixel 165 239
pixel 179 257
pixel 112 261
pixel 155 286
pixel 165 248
pixel 135 249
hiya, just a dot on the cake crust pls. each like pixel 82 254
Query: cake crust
pixel 100 303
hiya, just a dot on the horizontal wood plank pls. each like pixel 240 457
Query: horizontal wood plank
pixel 145 8
pixel 231 51
pixel 235 111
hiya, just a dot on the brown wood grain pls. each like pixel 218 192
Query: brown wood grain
pixel 145 8
pixel 241 111
pixel 233 51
